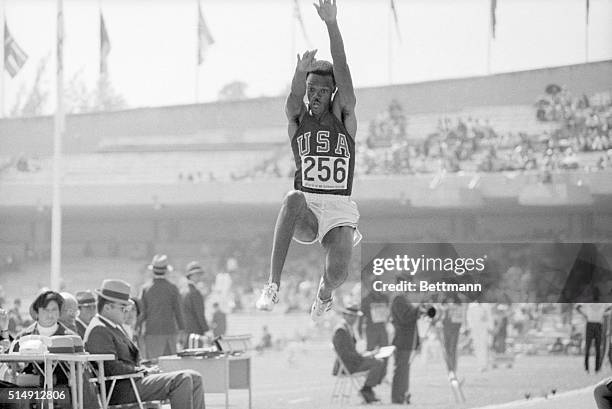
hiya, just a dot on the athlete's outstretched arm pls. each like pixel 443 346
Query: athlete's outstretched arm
pixel 327 10
pixel 295 101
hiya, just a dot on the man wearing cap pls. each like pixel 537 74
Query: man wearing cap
pixel 161 311
pixel 87 310
pixel 105 335
pixel 344 343
pixel 193 301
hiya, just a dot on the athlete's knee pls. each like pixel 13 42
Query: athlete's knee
pixel 182 380
pixel 294 201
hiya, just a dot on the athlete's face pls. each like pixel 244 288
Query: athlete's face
pixel 319 89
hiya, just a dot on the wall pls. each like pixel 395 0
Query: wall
pixel 263 119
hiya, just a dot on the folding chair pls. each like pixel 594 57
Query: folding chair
pixel 132 378
pixel 346 382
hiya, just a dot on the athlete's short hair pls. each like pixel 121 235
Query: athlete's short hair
pixel 324 68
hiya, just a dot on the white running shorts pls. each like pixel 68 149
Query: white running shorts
pixel 332 211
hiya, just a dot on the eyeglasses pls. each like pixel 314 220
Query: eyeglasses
pixel 123 308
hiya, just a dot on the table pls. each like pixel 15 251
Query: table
pixel 219 374
pixel 75 363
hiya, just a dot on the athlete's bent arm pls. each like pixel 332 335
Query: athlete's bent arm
pixel 294 107
pixel 346 94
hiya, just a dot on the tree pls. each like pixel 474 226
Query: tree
pixel 233 91
pixel 78 97
pixel 106 98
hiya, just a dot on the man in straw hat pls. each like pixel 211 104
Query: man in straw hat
pixel 345 345
pixel 105 335
pixel 161 311
pixel 87 310
pixel 193 301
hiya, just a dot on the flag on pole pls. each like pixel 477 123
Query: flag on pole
pixel 205 39
pixel 297 14
pixel 493 17
pixel 105 46
pixel 395 18
pixel 14 56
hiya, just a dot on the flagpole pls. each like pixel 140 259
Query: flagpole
pixel 197 64
pixel 293 40
pixel 586 43
pixel 586 37
pixel 489 41
pixel 56 214
pixel 390 46
pixel 2 67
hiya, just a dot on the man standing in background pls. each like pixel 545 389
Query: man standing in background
pixel 404 318
pixel 480 323
pixel 161 311
pixel 219 321
pixel 193 301
pixel 593 313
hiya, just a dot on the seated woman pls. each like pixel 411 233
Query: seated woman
pixel 46 310
pixel 5 336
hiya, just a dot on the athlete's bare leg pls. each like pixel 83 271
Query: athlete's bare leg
pixel 294 218
pixel 338 245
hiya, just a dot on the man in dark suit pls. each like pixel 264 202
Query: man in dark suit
pixel 105 335
pixel 193 302
pixel 344 343
pixel 404 318
pixel 87 310
pixel 161 311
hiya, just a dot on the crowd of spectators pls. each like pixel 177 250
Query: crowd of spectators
pixel 582 125
pixel 579 126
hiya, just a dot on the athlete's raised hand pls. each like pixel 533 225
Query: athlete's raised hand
pixel 307 62
pixel 327 10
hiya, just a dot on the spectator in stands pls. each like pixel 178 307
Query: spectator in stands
pixel 87 310
pixel 193 301
pixel 161 311
pixel 106 336
pixel 219 321
pixel 345 345
pixel 69 312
